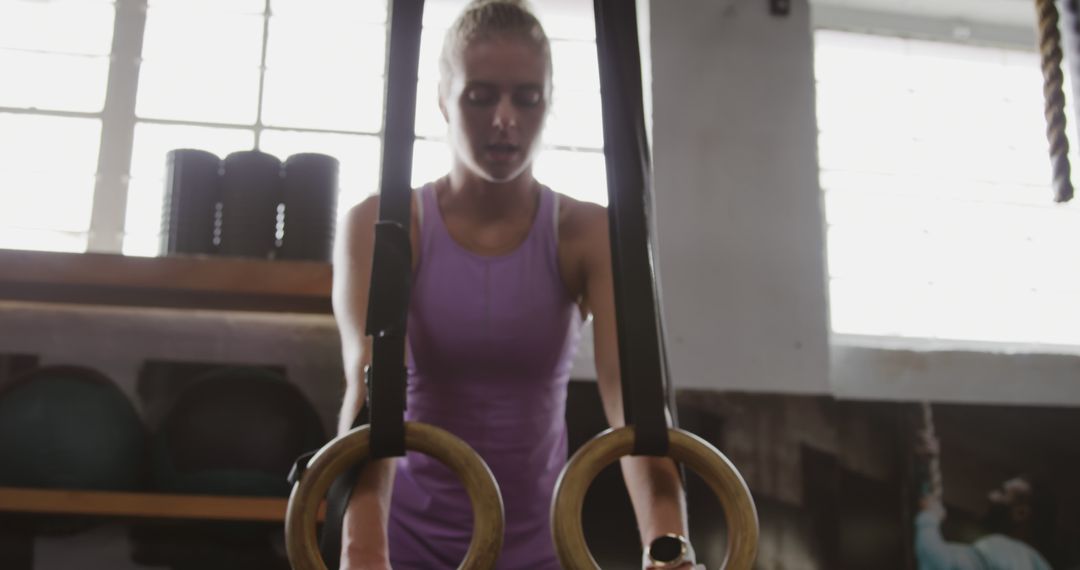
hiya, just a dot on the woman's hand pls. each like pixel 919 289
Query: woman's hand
pixel 684 566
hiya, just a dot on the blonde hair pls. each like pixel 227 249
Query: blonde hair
pixel 485 19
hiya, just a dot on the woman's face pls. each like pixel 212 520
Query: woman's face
pixel 495 103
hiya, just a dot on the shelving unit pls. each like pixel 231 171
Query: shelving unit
pixel 196 283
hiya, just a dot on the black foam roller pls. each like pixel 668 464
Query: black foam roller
pixel 250 194
pixel 191 196
pixel 310 199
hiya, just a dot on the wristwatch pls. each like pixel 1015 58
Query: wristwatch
pixel 667 551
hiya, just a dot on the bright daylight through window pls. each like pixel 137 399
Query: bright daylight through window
pixel 936 181
pixel 285 76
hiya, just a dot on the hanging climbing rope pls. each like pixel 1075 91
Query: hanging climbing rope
pixel 1054 94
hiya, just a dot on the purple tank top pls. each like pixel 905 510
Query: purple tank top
pixel 491 343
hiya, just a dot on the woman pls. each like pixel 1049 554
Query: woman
pixel 504 271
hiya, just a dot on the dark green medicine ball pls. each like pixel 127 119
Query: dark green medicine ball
pixel 69 427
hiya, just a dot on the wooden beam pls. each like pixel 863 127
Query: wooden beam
pixel 144 505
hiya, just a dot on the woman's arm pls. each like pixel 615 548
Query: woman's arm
pixel 653 482
pixel 364 543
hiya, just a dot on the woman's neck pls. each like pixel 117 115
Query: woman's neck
pixel 484 200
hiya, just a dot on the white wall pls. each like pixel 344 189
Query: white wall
pixel 741 252
pixel 737 197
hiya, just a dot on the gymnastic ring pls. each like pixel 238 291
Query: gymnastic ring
pixel 335 457
pixel 696 453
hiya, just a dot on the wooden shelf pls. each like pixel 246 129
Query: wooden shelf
pixel 191 282
pixel 143 505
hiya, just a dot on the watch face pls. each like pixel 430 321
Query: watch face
pixel 666 549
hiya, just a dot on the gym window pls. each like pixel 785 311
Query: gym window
pixel 51 108
pixel 284 76
pixel 936 183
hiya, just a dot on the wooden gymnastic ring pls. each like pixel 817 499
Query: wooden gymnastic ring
pixel 696 453
pixel 335 457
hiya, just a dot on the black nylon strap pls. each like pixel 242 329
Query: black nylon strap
pixel 626 152
pixel 391 273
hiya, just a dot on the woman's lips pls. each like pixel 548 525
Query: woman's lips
pixel 502 152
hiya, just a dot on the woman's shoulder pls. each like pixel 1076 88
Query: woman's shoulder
pixel 579 219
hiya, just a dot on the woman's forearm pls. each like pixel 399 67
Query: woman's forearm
pixel 657 495
pixel 363 540
pixel 350 407
pixel 654 483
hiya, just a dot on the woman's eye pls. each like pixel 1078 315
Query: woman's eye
pixel 480 95
pixel 528 97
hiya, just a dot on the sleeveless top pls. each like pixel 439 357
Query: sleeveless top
pixel 492 340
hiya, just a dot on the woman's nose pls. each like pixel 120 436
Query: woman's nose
pixel 505 114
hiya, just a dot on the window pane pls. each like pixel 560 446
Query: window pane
pixel 143 244
pixel 223 39
pixel 42 240
pixel 317 99
pixel 53 82
pixel 575 66
pixel 142 222
pixel 439 14
pixel 431 43
pixel 357 154
pixel 37 143
pixel 193 92
pixel 214 79
pixel 431 160
pixel 30 150
pixel 359 11
pixel 567 20
pixel 344 90
pixel 429 120
pixel 30 200
pixel 70 27
pixel 341 47
pixel 580 175
pixel 936 184
pixel 219 6
pixel 939 311
pixel 576 120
